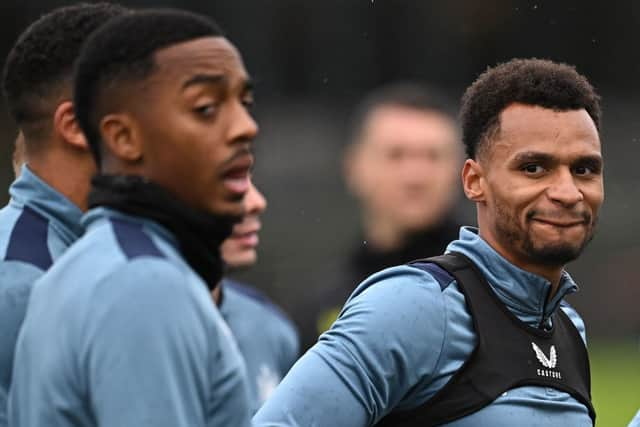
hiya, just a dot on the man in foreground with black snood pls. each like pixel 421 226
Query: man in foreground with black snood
pixel 122 330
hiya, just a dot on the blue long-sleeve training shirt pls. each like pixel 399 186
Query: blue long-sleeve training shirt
pixel 36 227
pixel 399 339
pixel 635 422
pixel 121 332
pixel 266 338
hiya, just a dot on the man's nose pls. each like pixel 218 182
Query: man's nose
pixel 243 127
pixel 564 190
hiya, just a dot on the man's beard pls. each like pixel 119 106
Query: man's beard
pixel 552 254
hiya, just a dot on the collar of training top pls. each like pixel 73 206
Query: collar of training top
pixel 524 291
pixel 30 190
pixel 199 233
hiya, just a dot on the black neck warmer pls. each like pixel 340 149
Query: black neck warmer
pixel 199 234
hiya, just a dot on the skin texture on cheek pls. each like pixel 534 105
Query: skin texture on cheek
pixel 541 186
pixel 515 230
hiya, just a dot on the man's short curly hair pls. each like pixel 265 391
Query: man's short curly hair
pixel 122 52
pixel 535 82
pixel 39 68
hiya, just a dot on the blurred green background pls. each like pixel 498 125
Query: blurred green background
pixel 615 379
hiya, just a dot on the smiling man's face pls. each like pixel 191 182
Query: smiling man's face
pixel 542 185
pixel 240 249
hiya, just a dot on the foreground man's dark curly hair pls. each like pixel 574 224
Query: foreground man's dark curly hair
pixel 535 82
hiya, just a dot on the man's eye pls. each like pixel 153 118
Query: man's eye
pixel 583 170
pixel 533 169
pixel 205 110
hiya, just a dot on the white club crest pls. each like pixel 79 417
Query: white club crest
pixel 267 380
pixel 542 358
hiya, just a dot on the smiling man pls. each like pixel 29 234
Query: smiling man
pixel 122 331
pixel 266 337
pixel 480 336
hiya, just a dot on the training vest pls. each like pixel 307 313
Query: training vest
pixel 518 355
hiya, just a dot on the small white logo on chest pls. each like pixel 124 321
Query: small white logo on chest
pixel 542 358
pixel 548 362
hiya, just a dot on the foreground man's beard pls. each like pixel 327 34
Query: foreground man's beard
pixel 556 254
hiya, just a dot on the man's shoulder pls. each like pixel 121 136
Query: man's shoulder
pixel 24 255
pixel 384 301
pixel 132 240
pixel 114 243
pixel 113 258
pixel 24 235
pixel 575 318
pixel 410 278
pixel 9 214
pixel 250 299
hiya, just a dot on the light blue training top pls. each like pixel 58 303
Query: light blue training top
pixel 400 338
pixel 36 227
pixel 122 332
pixel 635 422
pixel 267 339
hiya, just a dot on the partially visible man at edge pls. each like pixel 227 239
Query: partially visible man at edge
pixel 402 165
pixel 266 337
pixel 122 330
pixel 43 216
pixel 480 336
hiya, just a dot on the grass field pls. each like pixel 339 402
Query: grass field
pixel 615 378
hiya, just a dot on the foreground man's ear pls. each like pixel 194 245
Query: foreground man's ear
pixel 472 180
pixel 120 137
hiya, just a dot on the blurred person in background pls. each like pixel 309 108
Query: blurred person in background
pixel 42 218
pixel 122 329
pixel 480 336
pixel 266 337
pixel 402 165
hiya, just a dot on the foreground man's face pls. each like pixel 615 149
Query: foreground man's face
pixel 543 184
pixel 197 122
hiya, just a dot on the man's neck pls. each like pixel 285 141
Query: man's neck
pixel 70 175
pixel 551 273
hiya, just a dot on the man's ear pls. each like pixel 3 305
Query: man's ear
pixel 66 125
pixel 121 137
pixel 473 180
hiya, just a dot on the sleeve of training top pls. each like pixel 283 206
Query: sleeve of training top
pixel 16 280
pixel 386 339
pixel 148 354
pixel 635 422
